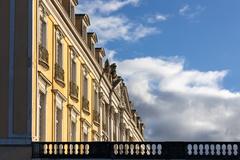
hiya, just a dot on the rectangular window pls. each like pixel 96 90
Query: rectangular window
pixel 73 131
pixel 42 116
pixel 100 61
pixel 92 48
pixel 59 125
pixel 72 13
pixel 73 126
pixel 73 71
pixel 43 32
pixel 59 106
pixel 85 133
pixel 84 32
pixel 85 86
pixel 103 113
pixel 96 100
pixel 59 56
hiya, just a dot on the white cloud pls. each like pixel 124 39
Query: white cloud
pixel 110 54
pixel 181 104
pixel 157 18
pixel 109 26
pixel 119 27
pixel 184 9
pixel 104 6
pixel 191 12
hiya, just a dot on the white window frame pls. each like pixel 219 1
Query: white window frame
pixel 42 87
pixel 73 59
pixel 85 128
pixel 42 17
pixel 85 77
pixel 59 37
pixel 84 31
pixel 73 120
pixel 58 106
pixel 72 11
pixel 96 97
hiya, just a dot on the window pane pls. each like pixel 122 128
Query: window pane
pixel 59 124
pixel 74 71
pixel 42 108
pixel 96 100
pixel 59 53
pixel 43 33
pixel 85 87
pixel 73 130
pixel 72 14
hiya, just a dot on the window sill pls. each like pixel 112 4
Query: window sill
pixel 60 82
pixel 86 111
pixel 43 64
pixel 96 123
pixel 73 97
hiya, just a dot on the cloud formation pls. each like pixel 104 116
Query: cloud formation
pixel 191 12
pixel 104 6
pixel 111 26
pixel 180 104
pixel 157 18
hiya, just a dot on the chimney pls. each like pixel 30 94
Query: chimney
pixel 99 54
pixel 91 41
pixel 82 21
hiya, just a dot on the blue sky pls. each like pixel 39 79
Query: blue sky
pixel 180 61
pixel 208 41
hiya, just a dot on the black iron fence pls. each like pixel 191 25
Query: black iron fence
pixel 137 150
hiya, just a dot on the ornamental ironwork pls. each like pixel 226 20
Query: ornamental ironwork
pixel 59 72
pixel 85 104
pixel 104 127
pixel 43 56
pixel 96 116
pixel 74 90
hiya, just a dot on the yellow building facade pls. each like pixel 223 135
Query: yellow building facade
pixel 71 79
pixel 54 85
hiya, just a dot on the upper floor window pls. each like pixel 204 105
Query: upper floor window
pixel 59 53
pixel 59 71
pixel 84 32
pixel 43 26
pixel 73 77
pixel 73 67
pixel 43 32
pixel 85 84
pixel 100 61
pixel 96 99
pixel 72 12
pixel 92 48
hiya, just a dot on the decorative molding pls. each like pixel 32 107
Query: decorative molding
pixel 85 121
pixel 57 92
pixel 44 78
pixel 72 107
pixel 59 32
pixel 44 12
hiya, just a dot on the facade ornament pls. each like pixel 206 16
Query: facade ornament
pixel 60 34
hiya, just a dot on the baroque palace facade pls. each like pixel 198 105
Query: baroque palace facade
pixel 76 98
pixel 54 84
